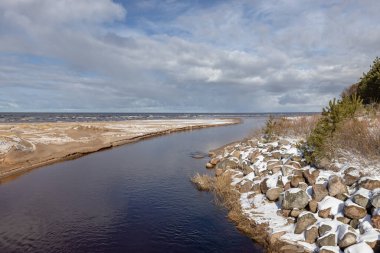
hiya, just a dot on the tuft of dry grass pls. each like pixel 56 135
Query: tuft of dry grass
pixel 202 182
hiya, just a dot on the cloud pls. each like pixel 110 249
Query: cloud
pixel 101 55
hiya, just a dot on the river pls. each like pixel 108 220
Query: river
pixel 133 198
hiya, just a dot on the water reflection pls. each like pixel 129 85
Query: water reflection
pixel 134 198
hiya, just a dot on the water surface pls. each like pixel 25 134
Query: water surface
pixel 133 198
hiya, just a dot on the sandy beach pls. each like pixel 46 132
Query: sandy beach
pixel 27 146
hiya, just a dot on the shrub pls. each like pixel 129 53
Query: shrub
pixel 332 116
pixel 369 84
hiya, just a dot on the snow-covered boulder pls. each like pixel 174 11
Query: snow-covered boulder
pixel 304 220
pixel 319 192
pixel 336 186
pixel 311 234
pixel 327 240
pixel 274 193
pixel 294 198
pixel 369 183
pixel 359 248
pixel 346 237
pixel 354 211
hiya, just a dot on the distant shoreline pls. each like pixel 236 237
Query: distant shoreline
pixel 25 146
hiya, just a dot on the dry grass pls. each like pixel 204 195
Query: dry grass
pixel 298 127
pixel 202 182
pixel 227 196
pixel 358 136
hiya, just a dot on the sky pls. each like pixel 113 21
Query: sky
pixel 182 56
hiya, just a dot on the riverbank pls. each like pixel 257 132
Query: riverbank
pixel 286 205
pixel 27 146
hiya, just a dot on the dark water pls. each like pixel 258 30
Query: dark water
pixel 134 198
pixel 70 117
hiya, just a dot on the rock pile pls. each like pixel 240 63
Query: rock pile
pixel 321 210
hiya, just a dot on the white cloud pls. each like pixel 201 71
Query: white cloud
pixel 261 56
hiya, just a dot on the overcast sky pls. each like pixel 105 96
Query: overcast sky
pixel 182 56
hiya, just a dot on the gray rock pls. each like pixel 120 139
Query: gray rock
pixel 336 186
pixel 303 222
pixel 328 240
pixel 295 199
pixel 361 200
pixel 319 192
pixel 323 229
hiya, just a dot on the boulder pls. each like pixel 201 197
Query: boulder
pixel 359 247
pixel 354 211
pixel 327 240
pixel 263 186
pixel 304 221
pixel 336 186
pixel 311 176
pixel 342 197
pixel 325 213
pixel 209 166
pixel 274 193
pixel 375 200
pixel 329 249
pixel 294 182
pixel 236 154
pixel 291 249
pixel 295 164
pixel 361 200
pixel 313 206
pixel 287 186
pixel 215 160
pixel 245 186
pixel 303 186
pixel 287 170
pixel 376 221
pixel 369 183
pixel 311 234
pixel 343 219
pixel 324 229
pixel 347 240
pixel 276 155
pixel 354 223
pixel 319 192
pixel 295 213
pixel 227 163
pixel 295 198
pixel 351 176
pixel 247 169
pixel 256 188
